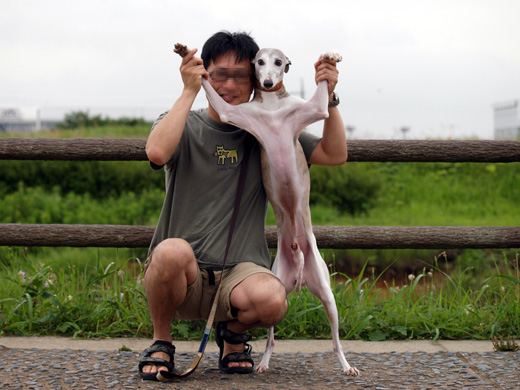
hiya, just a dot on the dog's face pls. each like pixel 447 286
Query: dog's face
pixel 270 65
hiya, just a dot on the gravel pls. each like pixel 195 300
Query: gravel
pixel 84 369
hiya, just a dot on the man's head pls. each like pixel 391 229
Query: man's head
pixel 241 44
pixel 227 58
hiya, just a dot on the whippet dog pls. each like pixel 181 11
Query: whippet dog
pixel 276 119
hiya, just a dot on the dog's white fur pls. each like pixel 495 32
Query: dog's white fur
pixel 276 119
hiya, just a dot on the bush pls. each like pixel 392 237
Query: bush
pixel 352 188
pixel 77 119
pixel 35 205
pixel 100 179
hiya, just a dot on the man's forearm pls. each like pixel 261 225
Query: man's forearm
pixel 332 149
pixel 164 138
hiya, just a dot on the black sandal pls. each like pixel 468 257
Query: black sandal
pixel 223 334
pixel 147 359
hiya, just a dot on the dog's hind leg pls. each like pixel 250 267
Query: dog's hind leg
pixel 318 282
pixel 287 267
pixel 269 347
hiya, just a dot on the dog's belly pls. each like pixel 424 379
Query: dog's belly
pixel 286 178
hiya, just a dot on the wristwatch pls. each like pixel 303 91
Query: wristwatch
pixel 335 100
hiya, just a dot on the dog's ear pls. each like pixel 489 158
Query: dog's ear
pixel 287 65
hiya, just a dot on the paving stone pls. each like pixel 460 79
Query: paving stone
pixel 81 369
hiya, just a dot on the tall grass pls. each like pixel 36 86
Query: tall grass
pixel 106 299
pixel 92 292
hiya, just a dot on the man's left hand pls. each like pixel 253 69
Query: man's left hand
pixel 326 70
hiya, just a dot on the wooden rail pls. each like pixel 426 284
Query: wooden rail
pixel 336 237
pixel 133 149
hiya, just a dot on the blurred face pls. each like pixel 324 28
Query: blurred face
pixel 231 79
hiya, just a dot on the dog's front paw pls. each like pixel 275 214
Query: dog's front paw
pixel 332 55
pixel 181 49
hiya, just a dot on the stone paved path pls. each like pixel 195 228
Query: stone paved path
pixel 32 368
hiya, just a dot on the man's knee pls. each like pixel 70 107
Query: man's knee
pixel 263 293
pixel 172 257
pixel 275 306
pixel 173 252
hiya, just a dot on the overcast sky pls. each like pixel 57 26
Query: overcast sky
pixel 436 67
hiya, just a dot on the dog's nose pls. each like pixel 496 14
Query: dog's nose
pixel 268 84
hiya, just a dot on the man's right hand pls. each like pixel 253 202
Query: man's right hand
pixel 164 138
pixel 192 71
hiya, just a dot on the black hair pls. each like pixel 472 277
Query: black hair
pixel 223 42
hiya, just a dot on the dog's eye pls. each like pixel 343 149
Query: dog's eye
pixel 261 62
pixel 278 62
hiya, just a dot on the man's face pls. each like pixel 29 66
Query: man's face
pixel 231 79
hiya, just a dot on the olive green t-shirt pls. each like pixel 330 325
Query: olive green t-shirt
pixel 201 179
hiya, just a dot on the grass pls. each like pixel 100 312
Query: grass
pixel 111 131
pixel 96 293
pixel 505 344
pixel 103 298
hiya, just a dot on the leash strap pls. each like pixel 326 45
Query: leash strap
pixel 165 376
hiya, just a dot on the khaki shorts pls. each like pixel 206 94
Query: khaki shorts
pixel 201 292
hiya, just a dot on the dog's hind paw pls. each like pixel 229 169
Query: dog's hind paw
pixel 351 371
pixel 261 368
pixel 332 55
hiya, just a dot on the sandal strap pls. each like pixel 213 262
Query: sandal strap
pixel 237 357
pixel 234 338
pixel 160 346
pixel 146 361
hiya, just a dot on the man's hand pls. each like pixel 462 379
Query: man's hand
pixel 332 148
pixel 192 70
pixel 326 70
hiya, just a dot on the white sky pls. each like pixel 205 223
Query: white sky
pixel 434 66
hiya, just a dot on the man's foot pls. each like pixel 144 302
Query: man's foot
pixel 235 353
pixel 158 357
pixel 236 348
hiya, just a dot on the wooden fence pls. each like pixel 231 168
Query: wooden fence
pixel 339 237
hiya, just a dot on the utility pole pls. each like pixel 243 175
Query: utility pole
pixel 404 130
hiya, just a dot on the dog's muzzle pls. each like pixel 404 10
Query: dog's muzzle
pixel 268 84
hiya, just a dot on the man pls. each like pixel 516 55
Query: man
pixel 202 158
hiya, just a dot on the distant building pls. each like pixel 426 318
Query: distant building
pixel 28 119
pixel 507 120
pixel 16 119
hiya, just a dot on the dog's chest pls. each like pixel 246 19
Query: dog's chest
pixel 275 101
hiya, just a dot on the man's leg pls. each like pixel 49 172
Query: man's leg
pixel 261 302
pixel 171 270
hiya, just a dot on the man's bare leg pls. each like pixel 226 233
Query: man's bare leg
pixel 261 302
pixel 172 269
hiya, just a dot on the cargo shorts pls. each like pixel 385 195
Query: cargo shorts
pixel 201 293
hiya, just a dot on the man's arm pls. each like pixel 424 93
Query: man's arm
pixel 164 138
pixel 332 149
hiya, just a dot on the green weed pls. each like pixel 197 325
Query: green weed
pixel 106 299
pixel 380 294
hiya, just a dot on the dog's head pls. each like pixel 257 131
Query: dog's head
pixel 270 65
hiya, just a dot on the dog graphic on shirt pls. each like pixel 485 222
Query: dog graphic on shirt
pixel 224 154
